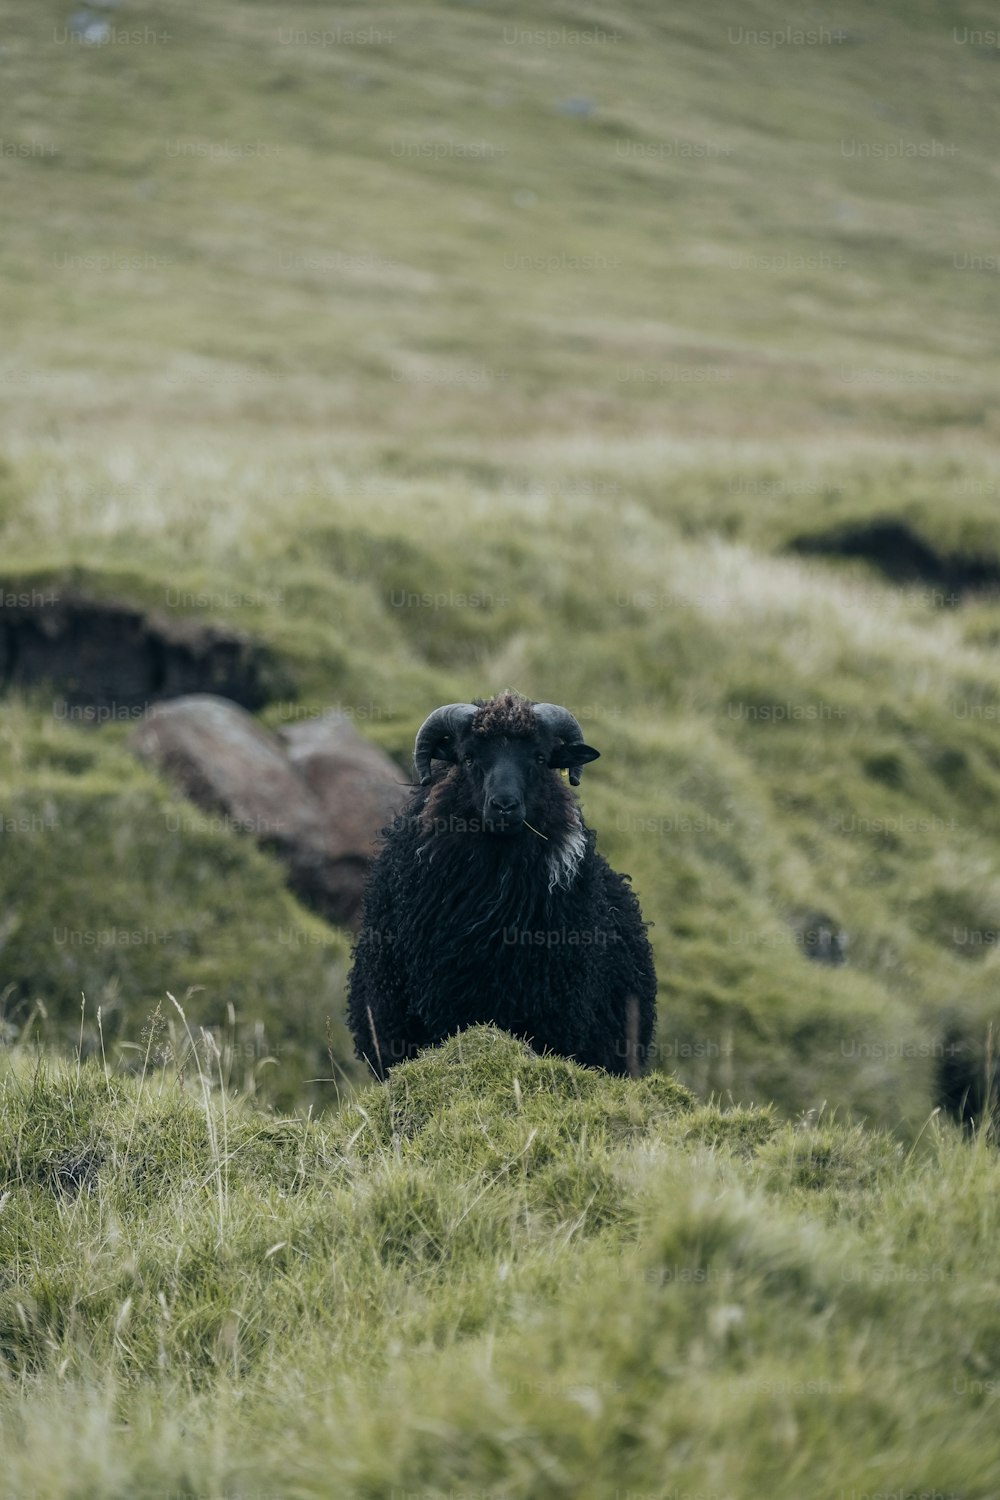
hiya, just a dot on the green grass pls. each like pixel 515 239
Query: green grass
pixel 499 1274
pixel 362 401
pixel 375 350
pixel 116 892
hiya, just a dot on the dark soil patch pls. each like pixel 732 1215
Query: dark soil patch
pixel 822 939
pixel 968 1079
pixel 110 660
pixel 904 557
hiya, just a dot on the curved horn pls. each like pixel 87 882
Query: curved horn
pixel 442 725
pixel 562 723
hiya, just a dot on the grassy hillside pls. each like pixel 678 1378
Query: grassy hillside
pixel 439 354
pixel 440 348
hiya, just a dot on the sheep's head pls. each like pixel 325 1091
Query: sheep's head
pixel 507 747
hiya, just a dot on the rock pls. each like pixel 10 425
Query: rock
pixel 358 786
pixel 223 760
pixel 359 790
pixel 317 795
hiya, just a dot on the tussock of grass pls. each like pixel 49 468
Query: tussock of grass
pixel 567 1281
pixel 480 1151
pixel 470 1087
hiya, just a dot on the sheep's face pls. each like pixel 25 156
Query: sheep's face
pixel 512 780
pixel 502 753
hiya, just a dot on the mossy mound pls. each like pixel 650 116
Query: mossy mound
pixel 498 1273
pixel 478 1086
pixel 478 1151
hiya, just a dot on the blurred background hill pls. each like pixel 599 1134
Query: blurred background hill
pixel 642 359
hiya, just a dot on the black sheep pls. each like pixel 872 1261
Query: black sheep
pixel 488 902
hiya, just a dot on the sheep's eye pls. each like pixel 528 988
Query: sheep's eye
pixel 542 760
pixel 467 760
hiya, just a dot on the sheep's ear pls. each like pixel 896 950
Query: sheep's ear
pixel 564 756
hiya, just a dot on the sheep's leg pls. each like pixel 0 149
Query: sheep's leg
pixel 377 1009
